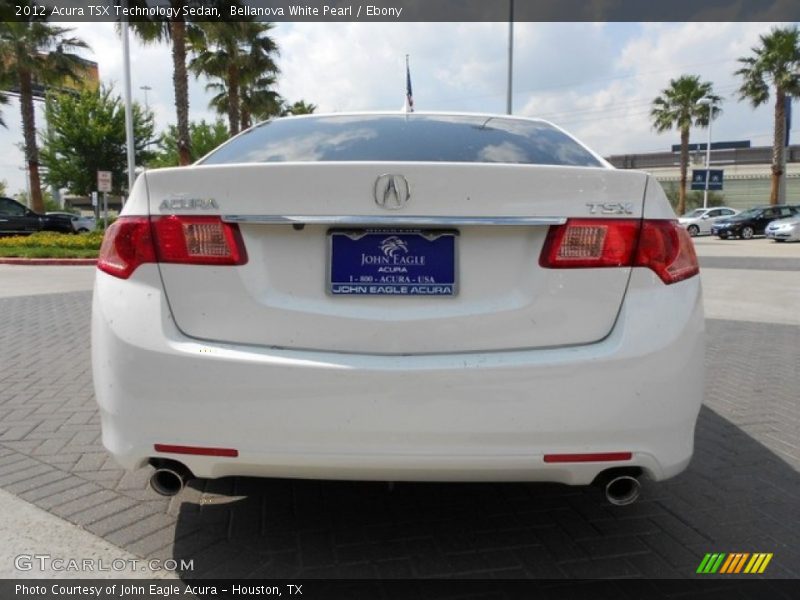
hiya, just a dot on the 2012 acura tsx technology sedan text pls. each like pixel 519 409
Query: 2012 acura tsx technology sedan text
pixel 400 297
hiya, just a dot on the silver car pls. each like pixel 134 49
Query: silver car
pixel 80 223
pixel 699 221
pixel 784 230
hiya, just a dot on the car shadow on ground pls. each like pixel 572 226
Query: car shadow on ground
pixel 737 496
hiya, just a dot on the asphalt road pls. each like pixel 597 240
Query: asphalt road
pixel 740 493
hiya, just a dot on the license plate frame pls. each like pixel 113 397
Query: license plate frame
pixel 393 262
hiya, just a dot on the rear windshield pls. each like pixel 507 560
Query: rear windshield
pixel 404 138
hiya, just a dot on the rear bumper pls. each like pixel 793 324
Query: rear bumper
pixel 476 416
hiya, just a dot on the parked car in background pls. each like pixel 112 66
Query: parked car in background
pixel 419 297
pixel 700 220
pixel 784 230
pixel 751 222
pixel 80 224
pixel 18 219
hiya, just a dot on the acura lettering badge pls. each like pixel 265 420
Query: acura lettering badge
pixel 392 191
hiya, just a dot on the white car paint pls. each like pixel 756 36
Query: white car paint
pixel 700 220
pixel 80 223
pixel 525 363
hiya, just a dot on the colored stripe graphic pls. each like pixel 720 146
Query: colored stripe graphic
pixel 734 563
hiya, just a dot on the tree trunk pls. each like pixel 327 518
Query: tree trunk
pixel 233 98
pixel 29 135
pixel 684 169
pixel 245 119
pixel 777 145
pixel 180 80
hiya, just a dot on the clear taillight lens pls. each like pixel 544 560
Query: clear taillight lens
pixel 132 241
pixel 198 241
pixel 661 245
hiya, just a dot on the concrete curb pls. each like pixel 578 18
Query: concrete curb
pixel 48 261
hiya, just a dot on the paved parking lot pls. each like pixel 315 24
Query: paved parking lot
pixel 739 495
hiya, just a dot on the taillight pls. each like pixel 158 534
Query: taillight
pixel 132 241
pixel 127 244
pixel 660 245
pixel 666 248
pixel 582 243
pixel 198 241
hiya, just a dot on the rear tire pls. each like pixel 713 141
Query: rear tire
pixel 723 236
pixel 747 233
pixel 693 230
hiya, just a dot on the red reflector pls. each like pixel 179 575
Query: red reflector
pixel 598 457
pixel 199 450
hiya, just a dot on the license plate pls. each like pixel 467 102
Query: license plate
pixel 392 262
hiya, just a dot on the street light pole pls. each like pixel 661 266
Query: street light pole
pixel 509 104
pixel 126 65
pixel 707 102
pixel 146 88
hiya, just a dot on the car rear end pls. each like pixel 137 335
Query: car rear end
pixel 322 315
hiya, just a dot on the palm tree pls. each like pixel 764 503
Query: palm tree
pixel 235 54
pixel 178 32
pixel 775 61
pixel 301 107
pixel 257 99
pixel 677 108
pixel 36 53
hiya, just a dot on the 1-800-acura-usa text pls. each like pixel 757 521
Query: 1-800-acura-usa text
pixel 400 297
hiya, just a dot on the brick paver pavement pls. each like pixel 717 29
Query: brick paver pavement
pixel 741 492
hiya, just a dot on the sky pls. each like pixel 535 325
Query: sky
pixel 596 80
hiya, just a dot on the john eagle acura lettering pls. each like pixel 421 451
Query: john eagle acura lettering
pixel 287 307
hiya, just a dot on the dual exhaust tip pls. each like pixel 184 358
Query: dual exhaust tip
pixel 621 489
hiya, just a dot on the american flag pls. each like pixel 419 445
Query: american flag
pixel 409 94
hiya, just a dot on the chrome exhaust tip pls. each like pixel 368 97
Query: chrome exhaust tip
pixel 169 479
pixel 623 490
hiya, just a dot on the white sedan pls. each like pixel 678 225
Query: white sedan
pixel 700 220
pixel 394 297
pixel 784 230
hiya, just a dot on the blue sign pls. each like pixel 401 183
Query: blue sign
pixel 714 179
pixel 392 263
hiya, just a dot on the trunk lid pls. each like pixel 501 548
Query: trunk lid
pixel 504 300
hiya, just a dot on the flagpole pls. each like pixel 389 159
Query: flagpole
pixel 510 55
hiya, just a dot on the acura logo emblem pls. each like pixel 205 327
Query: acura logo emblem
pixel 392 191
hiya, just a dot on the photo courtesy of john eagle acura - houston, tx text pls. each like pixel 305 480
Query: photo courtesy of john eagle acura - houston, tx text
pixel 400 297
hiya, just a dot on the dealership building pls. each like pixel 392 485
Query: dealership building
pixel 747 170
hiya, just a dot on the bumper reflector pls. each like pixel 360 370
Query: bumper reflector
pixel 198 450
pixel 597 457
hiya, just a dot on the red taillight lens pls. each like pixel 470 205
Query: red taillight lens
pixel 660 245
pixel 584 243
pixel 127 244
pixel 666 248
pixel 198 241
pixel 132 241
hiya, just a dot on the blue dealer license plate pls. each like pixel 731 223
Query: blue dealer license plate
pixel 392 263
